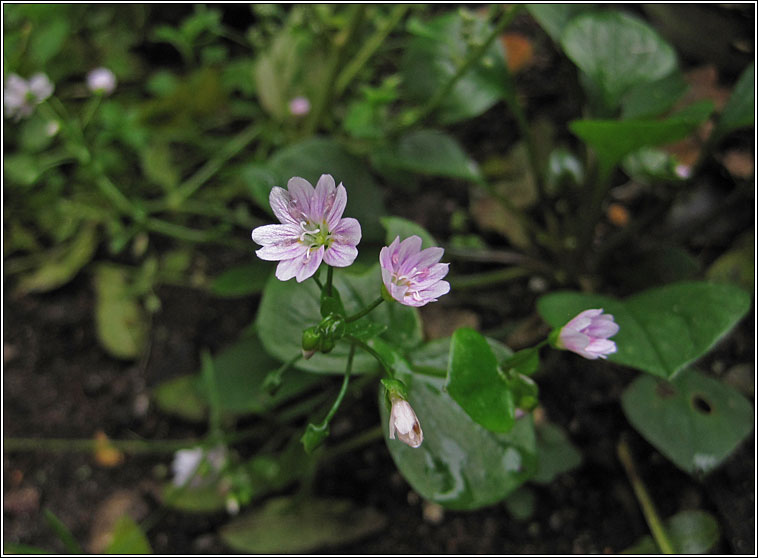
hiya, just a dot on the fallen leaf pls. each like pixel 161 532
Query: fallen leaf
pixel 519 52
pixel 105 454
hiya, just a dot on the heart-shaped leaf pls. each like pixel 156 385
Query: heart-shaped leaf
pixel 662 329
pixel 694 420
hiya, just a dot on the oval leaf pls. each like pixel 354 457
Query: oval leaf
pixel 474 382
pixel 662 329
pixel 616 51
pixel 289 526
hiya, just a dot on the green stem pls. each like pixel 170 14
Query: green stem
pixel 363 345
pixel 343 389
pixel 365 311
pixel 186 189
pixel 91 109
pixel 486 279
pixel 473 57
pixel 324 95
pixel 329 277
pixel 183 233
pixel 646 503
pixel 368 49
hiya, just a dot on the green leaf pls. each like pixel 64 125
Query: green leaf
pixel 202 499
pixel 122 326
pixel 694 420
pixel 690 532
pixel 239 372
pixel 663 329
pixel 525 361
pixel 617 52
pixel 460 464
pixel 474 382
pixel 522 503
pixel 737 265
pixel 313 157
pixel 128 538
pixel 62 532
pixel 181 397
pixel 318 523
pixel 47 41
pixel 15 548
pixel 650 99
pixel 242 280
pixel 612 139
pixel 739 110
pixel 555 452
pixel 397 226
pixel 158 166
pixel 287 308
pixel 650 166
pixel 63 264
pixel 553 18
pixel 434 56
pixel 429 152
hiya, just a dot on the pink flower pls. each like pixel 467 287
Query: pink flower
pixel 312 229
pixel 101 80
pixel 587 334
pixel 403 421
pixel 413 276
pixel 21 96
pixel 300 106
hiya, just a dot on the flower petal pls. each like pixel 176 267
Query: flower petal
pixel 287 269
pixel 340 255
pixel 276 252
pixel 347 232
pixel 279 199
pixel 322 198
pixel 301 193
pixel 310 264
pixel 337 207
pixel 275 234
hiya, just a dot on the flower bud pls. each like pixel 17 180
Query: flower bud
pixel 403 421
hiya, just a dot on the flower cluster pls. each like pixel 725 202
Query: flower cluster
pixel 587 334
pixel 21 96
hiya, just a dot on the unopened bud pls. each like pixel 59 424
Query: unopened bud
pixel 403 421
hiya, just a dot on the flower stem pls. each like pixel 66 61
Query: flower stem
pixel 365 346
pixel 329 276
pixel 343 389
pixel 365 311
pixel 646 503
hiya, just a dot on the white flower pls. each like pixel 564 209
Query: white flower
pixel 101 80
pixel 187 462
pixel 21 96
pixel 403 421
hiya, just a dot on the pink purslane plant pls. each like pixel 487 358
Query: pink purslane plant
pixel 312 229
pixel 587 334
pixel 413 276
